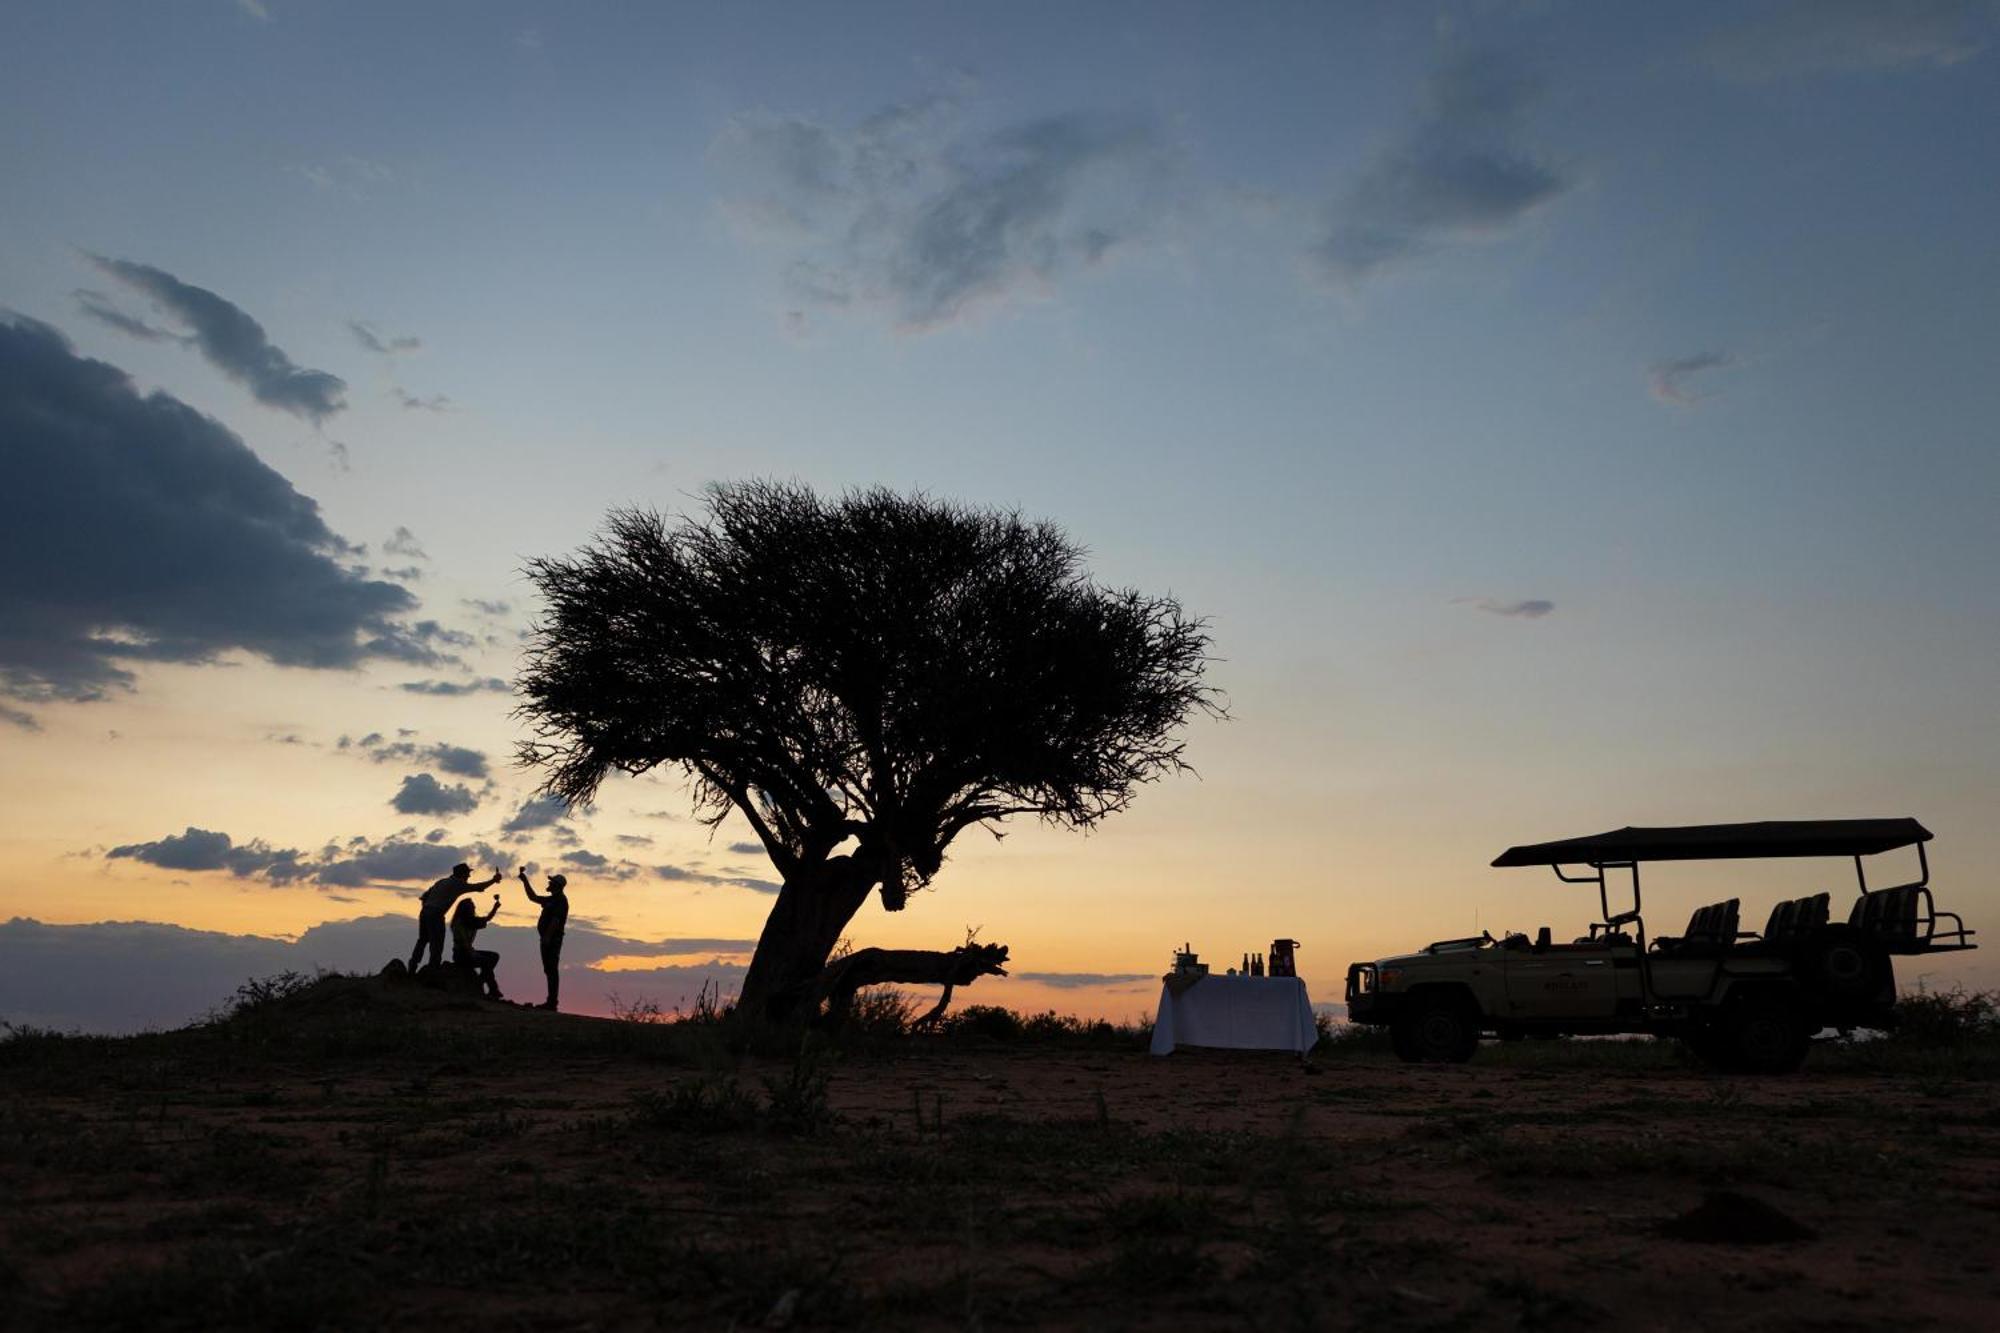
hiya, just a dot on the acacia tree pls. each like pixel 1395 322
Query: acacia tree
pixel 862 679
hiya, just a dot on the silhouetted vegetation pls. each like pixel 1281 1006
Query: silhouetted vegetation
pixel 862 680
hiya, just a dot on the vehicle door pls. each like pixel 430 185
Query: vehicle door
pixel 1564 981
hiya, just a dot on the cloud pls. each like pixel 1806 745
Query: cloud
pixel 395 860
pixel 1083 980
pixel 909 214
pixel 450 688
pixel 234 343
pixel 1458 174
pixel 15 717
pixel 747 848
pixel 410 402
pixel 98 306
pixel 1806 37
pixel 376 341
pixel 255 9
pixel 54 976
pixel 202 849
pixel 683 875
pixel 455 759
pixel 1667 381
pixel 422 794
pixel 192 548
pixel 536 812
pixel 404 542
pixel 486 608
pixel 1533 608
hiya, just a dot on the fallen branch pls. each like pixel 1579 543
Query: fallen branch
pixel 950 969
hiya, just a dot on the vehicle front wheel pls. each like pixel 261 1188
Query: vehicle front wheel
pixel 1436 1030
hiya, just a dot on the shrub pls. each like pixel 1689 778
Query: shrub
pixel 1947 1017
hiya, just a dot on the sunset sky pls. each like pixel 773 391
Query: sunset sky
pixel 1568 415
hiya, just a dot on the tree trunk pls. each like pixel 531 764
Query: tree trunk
pixel 810 916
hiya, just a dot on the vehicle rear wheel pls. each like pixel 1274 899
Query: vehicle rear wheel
pixel 1762 1035
pixel 1436 1030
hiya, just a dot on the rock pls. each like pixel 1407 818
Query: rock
pixel 450 978
pixel 1724 1217
pixel 396 970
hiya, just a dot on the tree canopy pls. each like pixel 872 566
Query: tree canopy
pixel 877 669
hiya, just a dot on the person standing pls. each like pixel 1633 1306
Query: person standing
pixel 555 916
pixel 435 902
pixel 466 923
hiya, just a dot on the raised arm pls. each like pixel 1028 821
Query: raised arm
pixel 528 886
pixel 489 883
pixel 494 910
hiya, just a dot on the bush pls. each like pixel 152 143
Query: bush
pixel 1947 1017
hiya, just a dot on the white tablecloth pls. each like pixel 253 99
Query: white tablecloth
pixel 1240 1013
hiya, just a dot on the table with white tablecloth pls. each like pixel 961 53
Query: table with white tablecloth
pixel 1235 1013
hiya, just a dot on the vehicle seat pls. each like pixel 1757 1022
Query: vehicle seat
pixel 1796 919
pixel 1901 915
pixel 1710 930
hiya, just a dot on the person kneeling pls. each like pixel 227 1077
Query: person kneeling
pixel 466 923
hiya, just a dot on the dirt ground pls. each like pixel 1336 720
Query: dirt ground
pixel 473 1176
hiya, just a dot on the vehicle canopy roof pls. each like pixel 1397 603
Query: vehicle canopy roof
pixel 1721 842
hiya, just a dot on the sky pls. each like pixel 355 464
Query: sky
pixel 1566 415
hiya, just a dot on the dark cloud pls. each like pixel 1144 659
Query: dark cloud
pixel 635 839
pixel 1081 980
pixel 140 530
pixel 234 343
pixel 201 849
pixel 356 863
pixel 395 860
pixel 1458 174
pixel 422 794
pixel 683 875
pixel 536 812
pixel 486 608
pixel 99 307
pixel 430 631
pixel 1805 37
pixel 1533 608
pixel 455 759
pixel 14 717
pixel 53 976
pixel 747 848
pixel 907 213
pixel 1667 381
pixel 492 684
pixel 376 341
pixel 592 860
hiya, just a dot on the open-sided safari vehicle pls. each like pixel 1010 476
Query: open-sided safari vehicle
pixel 1743 1000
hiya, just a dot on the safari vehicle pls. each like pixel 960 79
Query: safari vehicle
pixel 1749 1001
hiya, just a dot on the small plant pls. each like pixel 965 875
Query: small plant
pixel 798 1102
pixel 707 1104
pixel 645 1009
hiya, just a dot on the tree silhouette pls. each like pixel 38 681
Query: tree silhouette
pixel 863 679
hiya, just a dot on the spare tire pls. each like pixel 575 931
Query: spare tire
pixel 1845 965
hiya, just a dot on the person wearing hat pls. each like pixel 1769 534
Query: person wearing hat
pixel 555 915
pixel 435 903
